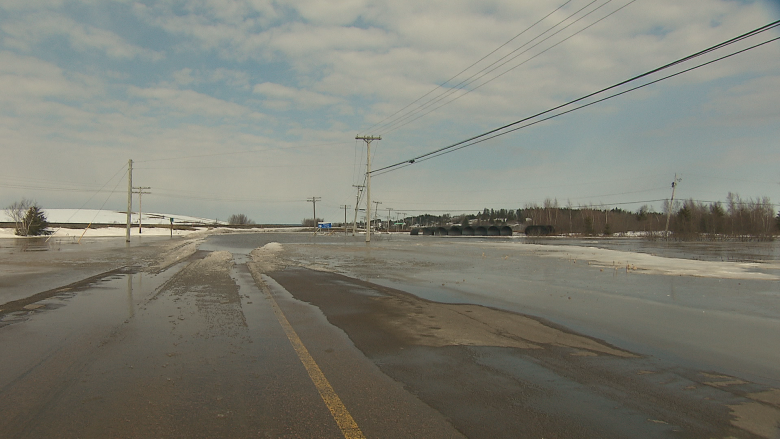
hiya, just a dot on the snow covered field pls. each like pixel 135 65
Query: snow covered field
pixel 102 217
pixel 86 216
pixel 103 232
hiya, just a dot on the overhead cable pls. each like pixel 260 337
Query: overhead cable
pixel 237 152
pixel 519 64
pixel 599 100
pixel 462 84
pixel 503 129
pixel 378 124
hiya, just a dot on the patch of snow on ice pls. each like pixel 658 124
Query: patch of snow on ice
pixel 273 247
pixel 652 264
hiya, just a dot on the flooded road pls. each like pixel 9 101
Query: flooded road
pixel 296 335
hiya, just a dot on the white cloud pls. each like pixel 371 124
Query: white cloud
pixel 336 12
pixel 183 77
pixel 24 77
pixel 188 102
pixel 37 28
pixel 232 78
pixel 301 98
pixel 753 102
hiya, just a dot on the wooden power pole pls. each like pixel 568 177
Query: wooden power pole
pixel 140 193
pixel 368 140
pixel 313 201
pixel 671 204
pixel 345 207
pixel 357 207
pixel 129 197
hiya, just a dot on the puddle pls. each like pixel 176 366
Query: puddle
pixel 111 297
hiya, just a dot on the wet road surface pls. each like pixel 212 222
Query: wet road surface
pixel 245 338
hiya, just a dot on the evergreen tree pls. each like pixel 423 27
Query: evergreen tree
pixel 34 223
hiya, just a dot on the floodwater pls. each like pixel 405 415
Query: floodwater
pixel 725 251
pixel 200 334
pixel 708 323
pixel 31 265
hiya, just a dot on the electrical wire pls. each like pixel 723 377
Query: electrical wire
pixel 381 122
pixel 599 100
pixel 462 84
pixel 237 152
pixel 213 197
pixel 104 202
pixel 244 167
pixel 500 130
pixel 520 64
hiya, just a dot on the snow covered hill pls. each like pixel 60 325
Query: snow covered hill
pixel 86 216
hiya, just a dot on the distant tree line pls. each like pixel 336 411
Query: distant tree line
pixel 737 218
pixel 239 219
pixel 311 222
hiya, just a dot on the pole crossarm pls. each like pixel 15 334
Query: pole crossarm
pixel 140 190
pixel 313 201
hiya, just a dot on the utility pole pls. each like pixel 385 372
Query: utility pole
pixel 376 211
pixel 671 203
pixel 345 207
pixel 313 201
pixel 389 209
pixel 368 140
pixel 140 193
pixel 357 206
pixel 129 197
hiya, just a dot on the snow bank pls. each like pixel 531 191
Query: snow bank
pixel 272 247
pixel 646 263
pixel 103 232
pixel 86 216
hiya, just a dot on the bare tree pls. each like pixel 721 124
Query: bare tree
pixel 18 210
pixel 308 222
pixel 28 218
pixel 239 220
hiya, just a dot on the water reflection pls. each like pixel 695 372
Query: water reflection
pixel 130 305
pixel 30 244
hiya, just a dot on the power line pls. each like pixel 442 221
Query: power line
pixel 462 84
pixel 521 63
pixel 381 122
pixel 601 100
pixel 218 197
pixel 101 188
pixel 500 130
pixel 238 152
pixel 245 167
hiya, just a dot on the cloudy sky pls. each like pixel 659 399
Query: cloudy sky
pixel 253 106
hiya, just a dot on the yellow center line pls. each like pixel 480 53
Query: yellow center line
pixel 340 414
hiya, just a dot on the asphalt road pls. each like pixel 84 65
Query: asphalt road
pixel 243 338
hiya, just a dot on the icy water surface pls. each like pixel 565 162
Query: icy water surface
pixel 725 251
pixel 705 319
